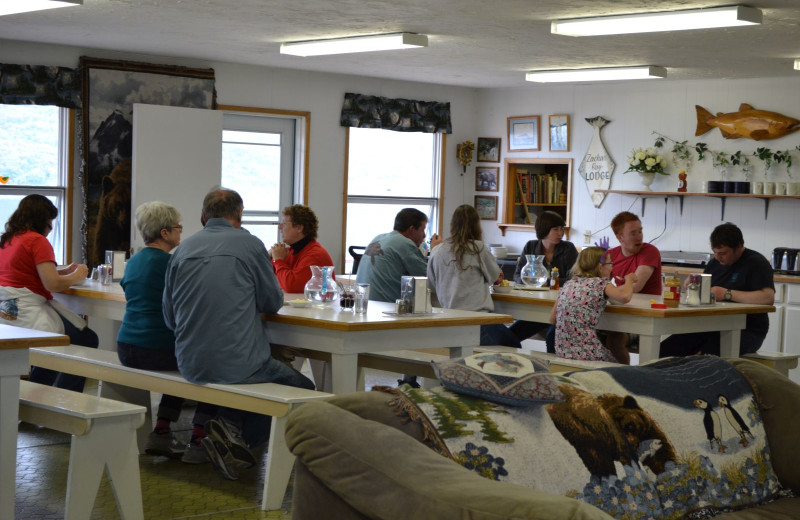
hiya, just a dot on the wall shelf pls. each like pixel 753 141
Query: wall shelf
pixel 722 196
pixel 545 179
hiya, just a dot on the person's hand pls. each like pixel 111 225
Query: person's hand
pixel 79 271
pixel 631 278
pixel 499 279
pixel 279 251
pixel 435 240
pixel 719 293
pixel 68 269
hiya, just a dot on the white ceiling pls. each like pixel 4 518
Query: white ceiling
pixel 473 43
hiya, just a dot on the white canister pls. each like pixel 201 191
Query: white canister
pixel 780 188
pixel 769 188
pixel 793 188
pixel 758 188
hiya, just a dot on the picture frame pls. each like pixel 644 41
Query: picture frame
pixel 109 90
pixel 489 149
pixel 559 132
pixel 486 205
pixel 524 134
pixel 487 178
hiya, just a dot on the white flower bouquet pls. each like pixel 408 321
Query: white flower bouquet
pixel 646 160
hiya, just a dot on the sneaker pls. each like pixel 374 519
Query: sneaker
pixel 163 445
pixel 220 456
pixel 222 431
pixel 195 454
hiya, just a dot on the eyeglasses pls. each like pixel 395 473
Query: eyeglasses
pixel 177 226
pixel 608 263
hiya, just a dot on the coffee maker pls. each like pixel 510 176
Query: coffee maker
pixel 786 259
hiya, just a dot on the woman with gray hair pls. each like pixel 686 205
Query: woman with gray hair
pixel 144 341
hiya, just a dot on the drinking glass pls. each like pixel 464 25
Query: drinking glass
pixel 362 298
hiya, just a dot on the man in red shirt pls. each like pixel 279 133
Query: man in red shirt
pixel 633 255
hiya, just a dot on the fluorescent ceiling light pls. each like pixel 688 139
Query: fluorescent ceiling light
pixel 24 6
pixel 610 74
pixel 797 64
pixel 661 21
pixel 378 42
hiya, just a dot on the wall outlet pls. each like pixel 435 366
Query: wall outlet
pixel 587 237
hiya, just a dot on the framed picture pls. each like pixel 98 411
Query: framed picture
pixel 486 178
pixel 523 134
pixel 559 132
pixel 110 88
pixel 488 149
pixel 486 206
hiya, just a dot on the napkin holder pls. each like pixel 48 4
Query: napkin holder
pixel 414 289
pixel 116 259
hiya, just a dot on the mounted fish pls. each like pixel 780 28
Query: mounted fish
pixel 747 122
pixel 597 166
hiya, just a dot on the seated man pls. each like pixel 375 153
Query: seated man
pixel 740 275
pixel 633 255
pixel 217 285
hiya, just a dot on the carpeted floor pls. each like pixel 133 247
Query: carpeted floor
pixel 170 489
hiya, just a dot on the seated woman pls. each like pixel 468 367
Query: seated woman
pixel 557 253
pixel 581 301
pixel 461 269
pixel 292 259
pixel 144 341
pixel 28 277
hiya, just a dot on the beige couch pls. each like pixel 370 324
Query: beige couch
pixel 357 460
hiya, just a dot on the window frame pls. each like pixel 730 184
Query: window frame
pixel 63 191
pixel 440 145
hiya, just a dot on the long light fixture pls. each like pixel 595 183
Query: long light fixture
pixel 797 64
pixel 713 17
pixel 606 74
pixel 377 42
pixel 24 6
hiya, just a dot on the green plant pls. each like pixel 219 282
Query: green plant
pixel 701 149
pixel 765 154
pixel 720 160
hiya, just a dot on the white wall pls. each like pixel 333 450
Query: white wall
pixel 320 94
pixel 636 109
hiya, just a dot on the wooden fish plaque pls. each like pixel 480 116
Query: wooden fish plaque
pixel 597 165
pixel 747 122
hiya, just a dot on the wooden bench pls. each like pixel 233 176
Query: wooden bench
pixel 780 361
pixel 134 386
pixel 103 437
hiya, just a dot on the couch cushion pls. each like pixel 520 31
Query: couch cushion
pixel 675 436
pixel 384 474
pixel 506 378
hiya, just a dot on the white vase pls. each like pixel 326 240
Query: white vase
pixel 647 180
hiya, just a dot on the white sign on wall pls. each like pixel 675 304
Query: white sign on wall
pixel 597 165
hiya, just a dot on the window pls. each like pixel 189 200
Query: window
pixel 259 161
pixel 34 151
pixel 389 171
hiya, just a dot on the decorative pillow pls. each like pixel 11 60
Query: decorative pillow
pixel 509 379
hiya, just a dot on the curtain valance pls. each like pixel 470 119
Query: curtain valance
pixel 400 115
pixel 40 85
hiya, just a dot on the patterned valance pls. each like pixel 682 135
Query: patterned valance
pixel 39 85
pixel 400 115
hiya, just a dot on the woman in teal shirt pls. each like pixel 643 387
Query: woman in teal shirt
pixel 144 341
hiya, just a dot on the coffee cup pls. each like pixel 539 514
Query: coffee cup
pixel 769 188
pixel 780 188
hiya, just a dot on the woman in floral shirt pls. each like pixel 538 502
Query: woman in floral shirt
pixel 581 301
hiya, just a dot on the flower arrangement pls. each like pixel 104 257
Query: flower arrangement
pixel 646 160
pixel 464 151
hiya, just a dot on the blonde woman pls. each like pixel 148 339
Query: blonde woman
pixel 581 301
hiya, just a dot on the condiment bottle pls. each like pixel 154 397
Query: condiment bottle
pixel 672 290
pixel 693 293
pixel 554 281
pixel 682 181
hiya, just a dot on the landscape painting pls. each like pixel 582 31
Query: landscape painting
pixel 110 88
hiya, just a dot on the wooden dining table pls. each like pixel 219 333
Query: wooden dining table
pixel 14 345
pixel 342 334
pixel 637 317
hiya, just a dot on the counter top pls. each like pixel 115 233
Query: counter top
pixel 669 269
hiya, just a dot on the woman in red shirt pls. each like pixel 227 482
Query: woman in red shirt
pixel 28 276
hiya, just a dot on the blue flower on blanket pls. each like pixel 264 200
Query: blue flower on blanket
pixel 478 459
pixel 630 497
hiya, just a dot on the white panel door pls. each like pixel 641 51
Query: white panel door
pixel 177 158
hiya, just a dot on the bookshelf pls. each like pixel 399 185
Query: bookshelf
pixel 533 186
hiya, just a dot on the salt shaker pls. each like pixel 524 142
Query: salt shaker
pixel 693 295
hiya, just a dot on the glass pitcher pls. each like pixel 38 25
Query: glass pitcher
pixel 321 289
pixel 534 274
